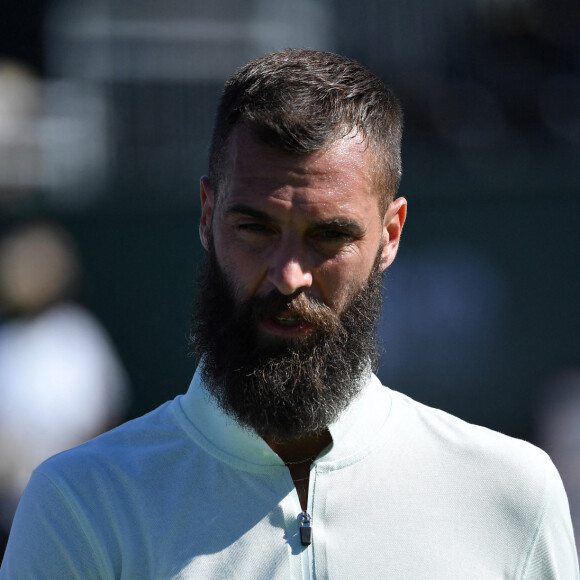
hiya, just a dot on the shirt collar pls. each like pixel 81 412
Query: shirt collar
pixel 354 433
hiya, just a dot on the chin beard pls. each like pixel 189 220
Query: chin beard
pixel 283 389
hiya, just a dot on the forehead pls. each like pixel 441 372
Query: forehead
pixel 340 174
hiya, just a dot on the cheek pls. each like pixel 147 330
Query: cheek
pixel 338 283
pixel 343 277
pixel 243 272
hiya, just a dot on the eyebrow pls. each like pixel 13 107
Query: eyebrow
pixel 343 224
pixel 352 227
pixel 240 208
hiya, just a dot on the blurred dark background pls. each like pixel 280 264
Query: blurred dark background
pixel 105 114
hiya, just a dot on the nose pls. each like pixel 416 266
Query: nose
pixel 288 271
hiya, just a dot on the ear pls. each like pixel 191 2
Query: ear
pixel 207 205
pixel 392 228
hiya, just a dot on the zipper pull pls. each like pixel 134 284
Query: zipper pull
pixel 305 528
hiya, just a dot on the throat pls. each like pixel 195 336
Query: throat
pixel 298 456
pixel 301 478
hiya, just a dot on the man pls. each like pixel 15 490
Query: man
pixel 287 458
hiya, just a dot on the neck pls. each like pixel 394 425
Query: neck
pixel 301 449
pixel 298 456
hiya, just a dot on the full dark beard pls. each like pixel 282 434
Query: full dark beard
pixel 283 388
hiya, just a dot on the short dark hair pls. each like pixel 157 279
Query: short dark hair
pixel 301 101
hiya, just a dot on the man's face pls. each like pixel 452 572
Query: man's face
pixel 289 297
pixel 298 223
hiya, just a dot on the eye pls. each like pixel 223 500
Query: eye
pixel 256 234
pixel 333 236
pixel 252 227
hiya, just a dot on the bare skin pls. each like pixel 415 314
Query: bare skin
pixel 298 456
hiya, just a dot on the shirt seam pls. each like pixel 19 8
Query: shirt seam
pixel 538 527
pixel 101 564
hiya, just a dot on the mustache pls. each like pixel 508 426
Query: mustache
pixel 311 310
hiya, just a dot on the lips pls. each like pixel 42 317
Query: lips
pixel 286 325
pixel 290 316
pixel 287 321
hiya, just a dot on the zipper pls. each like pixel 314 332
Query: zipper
pixel 305 528
pixel 306 531
pixel 306 555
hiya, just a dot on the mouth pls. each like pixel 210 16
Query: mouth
pixel 287 320
pixel 286 325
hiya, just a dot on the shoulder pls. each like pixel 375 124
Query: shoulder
pixel 131 447
pixel 454 434
pixel 505 491
pixel 498 466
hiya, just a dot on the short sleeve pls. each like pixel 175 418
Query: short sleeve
pixel 553 553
